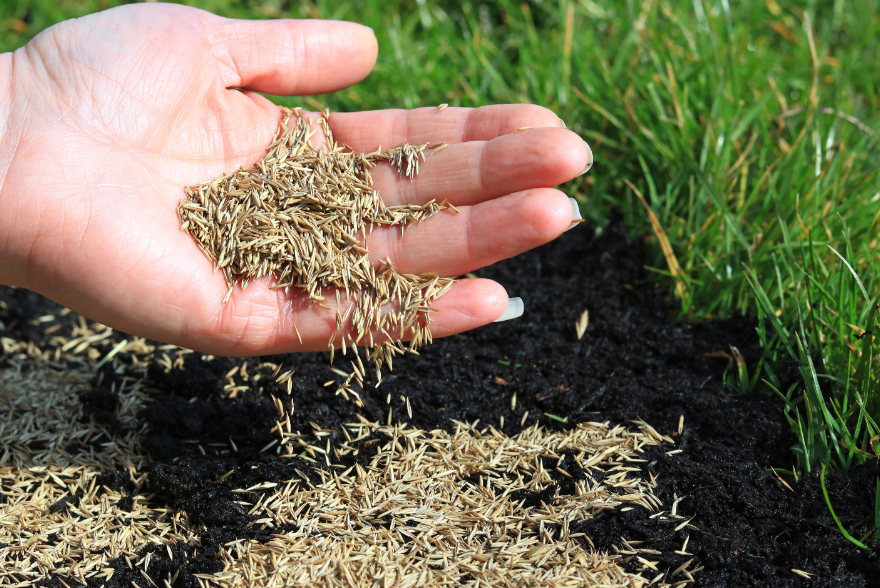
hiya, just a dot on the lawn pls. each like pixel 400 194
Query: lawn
pixel 739 139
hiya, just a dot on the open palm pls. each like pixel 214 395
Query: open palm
pixel 110 116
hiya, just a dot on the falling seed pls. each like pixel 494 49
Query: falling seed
pixel 581 325
pixel 513 402
pixel 680 424
pixel 522 422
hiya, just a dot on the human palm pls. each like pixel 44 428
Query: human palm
pixel 111 115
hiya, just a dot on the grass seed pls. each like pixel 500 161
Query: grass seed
pixel 301 215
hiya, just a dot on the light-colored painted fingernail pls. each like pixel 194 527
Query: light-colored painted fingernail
pixel 575 214
pixel 514 310
pixel 562 122
pixel 589 160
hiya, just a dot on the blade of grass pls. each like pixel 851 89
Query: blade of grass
pixel 855 275
pixel 843 531
pixel 877 513
pixel 668 253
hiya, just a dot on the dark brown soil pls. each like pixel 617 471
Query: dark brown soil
pixel 633 363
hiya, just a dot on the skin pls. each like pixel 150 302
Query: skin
pixel 106 118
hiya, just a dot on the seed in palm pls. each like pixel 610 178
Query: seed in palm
pixel 302 214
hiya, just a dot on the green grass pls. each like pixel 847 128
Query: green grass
pixel 749 128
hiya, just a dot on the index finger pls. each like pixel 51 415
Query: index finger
pixel 367 131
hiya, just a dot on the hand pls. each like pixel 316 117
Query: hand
pixel 109 116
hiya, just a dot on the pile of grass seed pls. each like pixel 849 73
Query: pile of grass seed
pixel 471 507
pixel 302 215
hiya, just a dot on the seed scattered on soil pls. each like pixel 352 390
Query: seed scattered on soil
pixel 62 506
pixel 683 550
pixel 433 509
pixel 428 508
pixel 302 215
pixel 680 569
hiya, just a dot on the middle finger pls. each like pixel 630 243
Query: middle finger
pixel 480 235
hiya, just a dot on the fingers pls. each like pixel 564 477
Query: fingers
pixel 473 172
pixel 288 57
pixel 259 321
pixel 367 131
pixel 454 244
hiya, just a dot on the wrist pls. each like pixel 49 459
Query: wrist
pixel 10 259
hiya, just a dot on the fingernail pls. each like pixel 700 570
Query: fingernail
pixel 371 29
pixel 514 310
pixel 589 160
pixel 562 122
pixel 575 214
